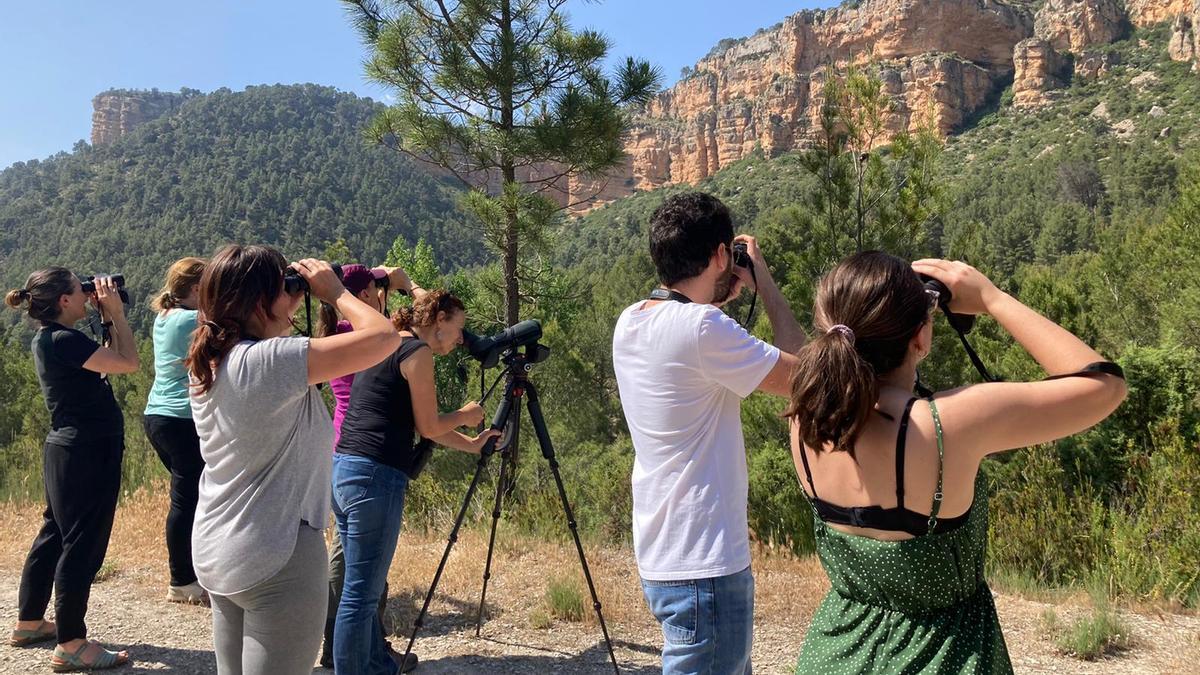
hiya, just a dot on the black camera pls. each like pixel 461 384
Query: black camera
pixel 293 283
pixel 740 257
pixel 88 284
pixel 487 350
pixel 963 323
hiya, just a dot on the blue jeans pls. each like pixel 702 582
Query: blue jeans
pixel 368 504
pixel 707 624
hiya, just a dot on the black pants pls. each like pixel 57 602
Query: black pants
pixel 178 446
pixel 82 483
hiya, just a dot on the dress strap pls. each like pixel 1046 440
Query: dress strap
pixel 807 471
pixel 901 441
pixel 937 495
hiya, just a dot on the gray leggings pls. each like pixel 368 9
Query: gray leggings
pixel 275 627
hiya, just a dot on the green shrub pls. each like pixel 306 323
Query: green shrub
pixel 1089 638
pixel 564 600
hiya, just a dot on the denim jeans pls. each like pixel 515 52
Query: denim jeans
pixel 368 501
pixel 707 624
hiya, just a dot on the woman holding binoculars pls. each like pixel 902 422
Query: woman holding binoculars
pixel 81 460
pixel 265 436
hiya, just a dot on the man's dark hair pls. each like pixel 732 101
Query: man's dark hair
pixel 684 232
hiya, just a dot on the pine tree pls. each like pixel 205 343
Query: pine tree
pixel 505 96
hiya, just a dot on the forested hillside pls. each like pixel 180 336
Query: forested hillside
pixel 279 164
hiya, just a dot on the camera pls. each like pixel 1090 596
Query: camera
pixel 487 350
pixel 88 284
pixel 293 283
pixel 740 257
pixel 963 323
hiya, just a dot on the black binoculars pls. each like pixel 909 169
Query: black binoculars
pixel 88 284
pixel 293 283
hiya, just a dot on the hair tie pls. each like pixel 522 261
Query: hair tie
pixel 212 325
pixel 24 294
pixel 844 330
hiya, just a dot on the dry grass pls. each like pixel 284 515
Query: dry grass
pixel 787 590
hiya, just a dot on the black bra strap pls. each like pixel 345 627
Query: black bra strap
pixel 807 472
pixel 901 440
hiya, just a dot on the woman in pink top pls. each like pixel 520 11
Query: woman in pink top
pixel 360 281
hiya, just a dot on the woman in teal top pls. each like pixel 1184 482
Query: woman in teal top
pixel 168 420
pixel 901 511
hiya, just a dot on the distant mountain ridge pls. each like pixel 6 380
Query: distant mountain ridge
pixel 285 165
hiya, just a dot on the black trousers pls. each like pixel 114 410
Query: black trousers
pixel 178 446
pixel 82 483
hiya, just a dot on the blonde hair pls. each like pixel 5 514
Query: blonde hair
pixel 181 276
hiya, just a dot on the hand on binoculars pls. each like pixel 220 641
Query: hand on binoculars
pixel 107 297
pixel 321 279
pixel 970 290
pixel 398 279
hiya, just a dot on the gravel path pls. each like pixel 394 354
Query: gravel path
pixel 126 610
pixel 128 614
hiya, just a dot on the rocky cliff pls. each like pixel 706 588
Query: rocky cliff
pixel 118 112
pixel 941 61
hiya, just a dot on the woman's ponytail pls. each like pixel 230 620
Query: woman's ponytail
pixel 182 276
pixel 16 297
pixel 833 392
pixel 867 310
pixel 41 293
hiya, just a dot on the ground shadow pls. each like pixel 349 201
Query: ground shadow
pixel 593 660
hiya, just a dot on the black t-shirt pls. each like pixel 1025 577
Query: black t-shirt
pixel 81 401
pixel 379 423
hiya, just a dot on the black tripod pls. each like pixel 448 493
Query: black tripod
pixel 508 417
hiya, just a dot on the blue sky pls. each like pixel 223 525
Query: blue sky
pixel 58 54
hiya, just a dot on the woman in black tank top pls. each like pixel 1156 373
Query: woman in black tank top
pixel 378 454
pixel 901 513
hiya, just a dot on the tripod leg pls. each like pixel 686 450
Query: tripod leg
pixel 498 422
pixel 539 427
pixel 487 570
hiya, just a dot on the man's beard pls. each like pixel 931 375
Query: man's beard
pixel 723 288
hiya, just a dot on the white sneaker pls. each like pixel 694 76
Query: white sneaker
pixel 192 594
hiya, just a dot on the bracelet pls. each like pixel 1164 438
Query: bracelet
pixel 106 324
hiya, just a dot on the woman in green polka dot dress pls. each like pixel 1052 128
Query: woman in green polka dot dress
pixel 894 480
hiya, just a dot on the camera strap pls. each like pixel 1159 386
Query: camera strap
pixel 668 294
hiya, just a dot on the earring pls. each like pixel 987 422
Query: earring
pixel 437 335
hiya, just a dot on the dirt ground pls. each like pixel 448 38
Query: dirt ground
pixel 127 609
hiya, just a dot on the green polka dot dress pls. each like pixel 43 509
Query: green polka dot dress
pixel 915 606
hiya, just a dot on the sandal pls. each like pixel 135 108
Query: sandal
pixel 66 662
pixel 24 638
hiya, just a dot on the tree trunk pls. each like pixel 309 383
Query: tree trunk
pixel 512 294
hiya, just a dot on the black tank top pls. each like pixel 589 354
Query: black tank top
pixel 379 423
pixel 897 518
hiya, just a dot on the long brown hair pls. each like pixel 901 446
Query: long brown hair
pixel 425 311
pixel 181 276
pixel 42 291
pixel 238 282
pixel 882 302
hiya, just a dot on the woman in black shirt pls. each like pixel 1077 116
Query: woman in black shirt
pixel 390 403
pixel 81 461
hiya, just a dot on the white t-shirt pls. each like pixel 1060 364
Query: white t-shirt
pixel 682 372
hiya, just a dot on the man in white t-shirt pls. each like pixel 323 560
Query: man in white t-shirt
pixel 683 367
